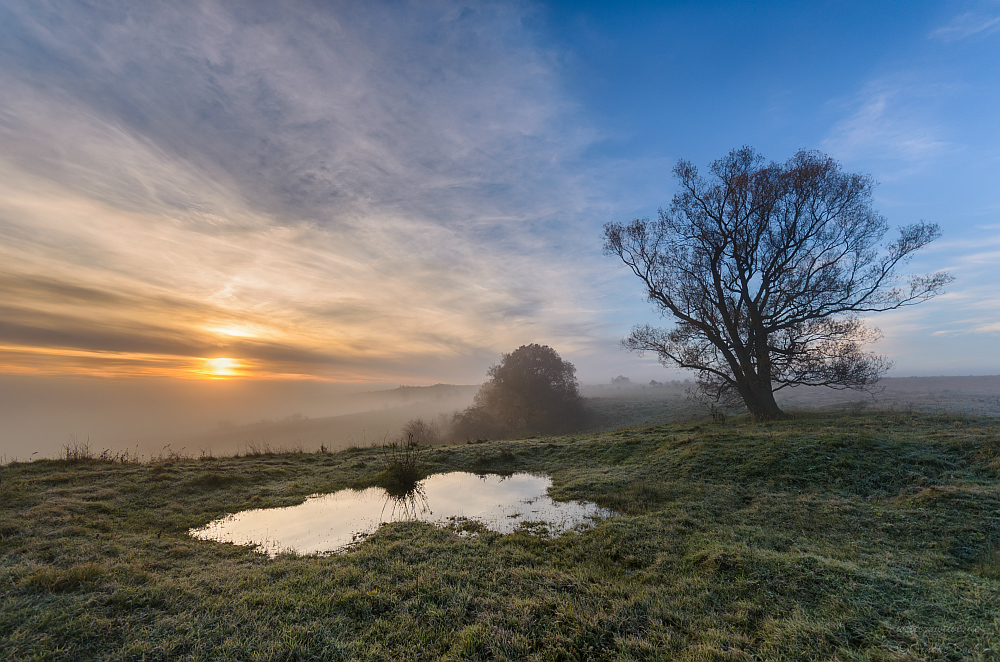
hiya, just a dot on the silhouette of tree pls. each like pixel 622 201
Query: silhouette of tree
pixel 531 390
pixel 766 270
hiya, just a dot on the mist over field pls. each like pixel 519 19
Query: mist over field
pixel 160 417
pixel 43 416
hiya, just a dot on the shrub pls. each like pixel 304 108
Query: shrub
pixel 418 432
pixel 532 390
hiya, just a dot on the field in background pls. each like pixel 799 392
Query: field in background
pixel 374 417
pixel 978 395
pixel 627 405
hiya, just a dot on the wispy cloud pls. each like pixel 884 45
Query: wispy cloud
pixel 970 305
pixel 886 122
pixel 992 327
pixel 370 185
pixel 967 25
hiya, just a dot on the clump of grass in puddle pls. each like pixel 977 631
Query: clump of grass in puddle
pixel 401 468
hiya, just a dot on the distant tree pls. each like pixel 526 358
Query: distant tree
pixel 766 270
pixel 620 380
pixel 531 390
pixel 475 423
pixel 417 431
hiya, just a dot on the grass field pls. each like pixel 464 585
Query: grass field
pixel 826 537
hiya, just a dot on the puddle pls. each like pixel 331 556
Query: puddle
pixel 330 522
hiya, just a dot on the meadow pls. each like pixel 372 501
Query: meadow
pixel 831 536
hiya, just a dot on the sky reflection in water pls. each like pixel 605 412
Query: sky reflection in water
pixel 329 522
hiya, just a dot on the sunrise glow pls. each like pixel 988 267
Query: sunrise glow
pixel 222 367
pixel 234 331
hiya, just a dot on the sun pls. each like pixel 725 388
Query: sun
pixel 221 367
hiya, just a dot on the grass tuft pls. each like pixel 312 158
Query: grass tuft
pixel 60 581
pixel 989 564
pixel 401 469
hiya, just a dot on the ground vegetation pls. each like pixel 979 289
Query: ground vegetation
pixel 828 537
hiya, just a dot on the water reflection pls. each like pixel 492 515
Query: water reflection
pixel 409 505
pixel 329 522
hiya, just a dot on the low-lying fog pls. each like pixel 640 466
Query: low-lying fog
pixel 39 417
pixel 153 417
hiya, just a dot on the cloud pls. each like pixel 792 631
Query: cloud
pixel 323 114
pixel 992 327
pixel 358 183
pixel 885 122
pixel 949 332
pixel 967 25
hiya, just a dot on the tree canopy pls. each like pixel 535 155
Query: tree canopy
pixel 531 389
pixel 767 270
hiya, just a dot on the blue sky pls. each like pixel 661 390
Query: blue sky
pixel 396 192
pixel 907 92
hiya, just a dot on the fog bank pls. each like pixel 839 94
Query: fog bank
pixel 39 415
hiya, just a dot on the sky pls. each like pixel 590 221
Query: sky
pixel 345 193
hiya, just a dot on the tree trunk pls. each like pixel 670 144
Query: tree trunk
pixel 759 399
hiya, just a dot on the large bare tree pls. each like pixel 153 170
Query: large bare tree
pixel 767 270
